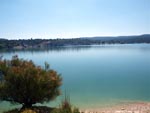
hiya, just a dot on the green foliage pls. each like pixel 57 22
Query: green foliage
pixel 26 83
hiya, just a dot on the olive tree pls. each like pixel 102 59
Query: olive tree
pixel 25 83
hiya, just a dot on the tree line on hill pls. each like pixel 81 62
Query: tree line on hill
pixel 46 43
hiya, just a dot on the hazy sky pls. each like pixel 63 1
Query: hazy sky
pixel 73 18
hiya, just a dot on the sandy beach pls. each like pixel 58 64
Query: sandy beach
pixel 138 107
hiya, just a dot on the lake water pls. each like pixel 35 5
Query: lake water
pixel 95 76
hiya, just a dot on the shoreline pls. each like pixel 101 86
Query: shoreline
pixel 130 107
pixel 136 107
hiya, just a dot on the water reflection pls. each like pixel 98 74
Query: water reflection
pixel 57 49
pixel 142 47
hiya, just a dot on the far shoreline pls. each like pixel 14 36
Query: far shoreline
pixel 46 43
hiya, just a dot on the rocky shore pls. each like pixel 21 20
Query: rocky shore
pixel 138 107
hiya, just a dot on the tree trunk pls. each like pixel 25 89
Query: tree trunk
pixel 26 105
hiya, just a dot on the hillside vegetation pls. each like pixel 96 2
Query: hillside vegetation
pixel 47 43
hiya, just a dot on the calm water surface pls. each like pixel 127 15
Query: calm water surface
pixel 96 76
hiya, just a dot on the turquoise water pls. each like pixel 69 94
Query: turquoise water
pixel 96 76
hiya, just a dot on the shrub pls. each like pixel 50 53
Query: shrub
pixel 25 83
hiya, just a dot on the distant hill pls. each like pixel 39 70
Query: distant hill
pixel 123 39
pixel 46 43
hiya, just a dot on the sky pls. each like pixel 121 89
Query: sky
pixel 25 19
